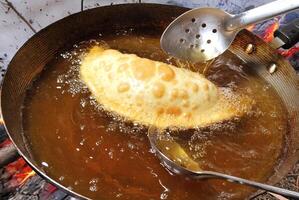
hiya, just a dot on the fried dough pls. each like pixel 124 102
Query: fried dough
pixel 154 93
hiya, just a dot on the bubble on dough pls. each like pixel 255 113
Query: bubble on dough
pixel 154 93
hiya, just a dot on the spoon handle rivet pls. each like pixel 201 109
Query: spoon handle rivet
pixel 250 49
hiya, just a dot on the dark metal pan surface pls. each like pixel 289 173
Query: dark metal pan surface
pixel 31 59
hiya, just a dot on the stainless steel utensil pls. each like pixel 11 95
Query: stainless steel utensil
pixel 201 34
pixel 46 44
pixel 174 158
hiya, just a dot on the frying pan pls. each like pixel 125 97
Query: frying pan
pixel 43 46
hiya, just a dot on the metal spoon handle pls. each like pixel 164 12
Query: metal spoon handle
pixel 261 13
pixel 273 189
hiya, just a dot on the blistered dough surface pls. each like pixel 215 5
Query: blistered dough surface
pixel 155 93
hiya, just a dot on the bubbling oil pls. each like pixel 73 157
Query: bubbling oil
pixel 103 156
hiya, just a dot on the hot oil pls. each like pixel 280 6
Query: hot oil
pixel 102 156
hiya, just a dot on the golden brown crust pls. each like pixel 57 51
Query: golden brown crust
pixel 155 93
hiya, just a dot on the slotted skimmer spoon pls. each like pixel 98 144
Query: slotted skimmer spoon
pixel 202 34
pixel 174 158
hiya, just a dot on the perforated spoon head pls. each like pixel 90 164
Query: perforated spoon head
pixel 198 35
